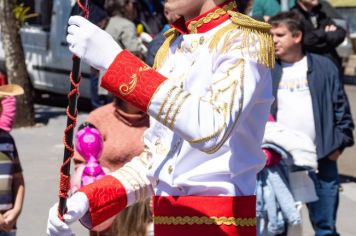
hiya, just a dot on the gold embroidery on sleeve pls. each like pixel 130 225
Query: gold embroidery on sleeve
pixel 126 89
pixel 136 185
pixel 171 125
pixel 132 170
pixel 207 138
pixel 233 87
pixel 173 101
pixel 169 94
pixel 241 100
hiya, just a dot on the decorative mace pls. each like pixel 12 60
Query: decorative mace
pixel 72 111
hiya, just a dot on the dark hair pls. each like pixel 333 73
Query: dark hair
pixel 243 5
pixel 86 124
pixel 116 7
pixel 292 19
pixel 97 14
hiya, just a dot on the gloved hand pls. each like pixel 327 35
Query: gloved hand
pixel 77 206
pixel 90 43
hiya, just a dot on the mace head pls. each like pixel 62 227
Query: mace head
pixel 88 141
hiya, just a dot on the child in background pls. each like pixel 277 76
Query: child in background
pixel 12 187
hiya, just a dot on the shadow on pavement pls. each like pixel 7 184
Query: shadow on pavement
pixel 347 179
pixel 350 80
pixel 49 106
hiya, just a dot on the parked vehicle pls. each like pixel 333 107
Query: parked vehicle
pixel 48 59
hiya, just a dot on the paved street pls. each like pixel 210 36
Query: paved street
pixel 41 152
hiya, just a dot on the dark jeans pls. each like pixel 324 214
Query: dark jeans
pixel 94 96
pixel 96 99
pixel 322 213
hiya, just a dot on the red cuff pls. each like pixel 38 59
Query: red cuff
pixel 107 197
pixel 130 79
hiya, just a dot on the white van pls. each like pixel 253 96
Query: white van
pixel 48 59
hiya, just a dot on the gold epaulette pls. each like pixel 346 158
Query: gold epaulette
pixel 162 53
pixel 253 29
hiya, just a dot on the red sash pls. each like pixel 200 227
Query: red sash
pixel 204 215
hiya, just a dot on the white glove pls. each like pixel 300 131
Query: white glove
pixel 145 37
pixel 77 206
pixel 90 43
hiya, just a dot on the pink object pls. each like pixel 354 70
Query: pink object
pixel 8 113
pixel 272 157
pixel 89 145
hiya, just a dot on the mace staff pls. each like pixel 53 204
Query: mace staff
pixel 71 111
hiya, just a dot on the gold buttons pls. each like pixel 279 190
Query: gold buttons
pixel 170 169
pixel 201 40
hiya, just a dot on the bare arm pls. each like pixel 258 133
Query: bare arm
pixel 18 188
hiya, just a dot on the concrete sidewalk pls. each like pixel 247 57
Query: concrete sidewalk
pixel 41 153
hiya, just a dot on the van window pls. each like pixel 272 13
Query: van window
pixel 44 10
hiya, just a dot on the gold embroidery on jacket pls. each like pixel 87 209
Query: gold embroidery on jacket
pixel 194 25
pixel 223 107
pixel 204 220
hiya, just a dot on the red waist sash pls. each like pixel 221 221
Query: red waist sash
pixel 204 215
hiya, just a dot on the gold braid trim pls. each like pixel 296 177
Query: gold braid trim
pixel 204 220
pixel 162 53
pixel 251 29
pixel 194 25
pixel 217 36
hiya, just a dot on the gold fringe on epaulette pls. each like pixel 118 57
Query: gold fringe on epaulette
pixel 162 52
pixel 217 36
pixel 250 31
pixel 252 28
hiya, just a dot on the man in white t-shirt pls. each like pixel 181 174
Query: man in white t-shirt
pixel 310 98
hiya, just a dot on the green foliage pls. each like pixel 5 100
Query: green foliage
pixel 21 13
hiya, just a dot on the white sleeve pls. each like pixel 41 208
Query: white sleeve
pixel 207 122
pixel 133 176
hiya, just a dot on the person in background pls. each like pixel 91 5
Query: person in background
pixel 311 99
pixel 266 8
pixel 12 188
pixel 121 126
pixel 322 35
pixel 150 15
pixel 158 40
pixel 99 17
pixel 121 26
pixel 122 29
